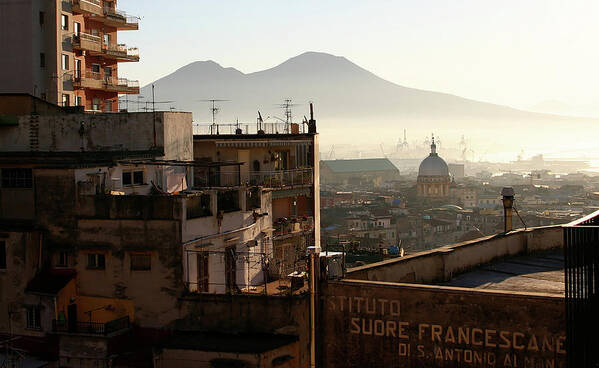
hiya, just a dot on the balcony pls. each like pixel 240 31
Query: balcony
pixel 95 80
pixel 91 80
pixel 270 179
pixel 120 52
pixel 121 85
pixel 88 42
pixel 92 7
pixel 292 226
pixel 119 19
pixel 92 328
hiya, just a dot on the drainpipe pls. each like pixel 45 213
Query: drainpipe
pixel 507 194
pixel 314 254
pixel 39 261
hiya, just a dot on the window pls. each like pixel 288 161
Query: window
pixel 133 177
pixel 228 201
pixel 64 22
pixel 17 178
pixel 108 108
pixel 203 279
pixel 198 206
pixel 96 104
pixel 65 100
pixel 95 68
pixel 141 262
pixel 63 259
pixel 77 68
pixel 96 261
pixel 106 38
pixel 77 28
pixel 33 317
pixel 79 100
pixel 2 255
pixel 65 62
pixel 42 60
pixel 42 18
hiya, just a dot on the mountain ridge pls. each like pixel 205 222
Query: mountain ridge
pixel 338 86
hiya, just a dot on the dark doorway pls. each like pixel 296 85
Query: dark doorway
pixel 203 279
pixel 72 317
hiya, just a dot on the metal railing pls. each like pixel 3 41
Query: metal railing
pixel 245 128
pixel 121 50
pixel 285 226
pixel 120 15
pixel 93 75
pixel 94 328
pixel 94 2
pixel 271 179
pixel 281 178
pixel 581 261
pixel 86 36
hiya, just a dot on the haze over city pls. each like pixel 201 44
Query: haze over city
pixel 532 56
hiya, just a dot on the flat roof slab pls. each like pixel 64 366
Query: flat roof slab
pixel 540 272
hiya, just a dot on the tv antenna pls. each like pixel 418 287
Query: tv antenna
pixel 286 106
pixel 152 108
pixel 214 109
pixel 259 123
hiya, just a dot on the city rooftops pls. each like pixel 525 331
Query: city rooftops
pixel 360 165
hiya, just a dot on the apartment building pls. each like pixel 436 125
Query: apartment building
pixel 275 173
pixel 66 52
pixel 116 228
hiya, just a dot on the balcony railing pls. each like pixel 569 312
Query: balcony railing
pixel 121 85
pixel 93 328
pixel 120 18
pixel 87 6
pixel 271 179
pixel 85 41
pixel 286 226
pixel 121 51
pixel 245 128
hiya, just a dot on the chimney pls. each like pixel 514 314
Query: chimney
pixel 507 194
pixel 311 122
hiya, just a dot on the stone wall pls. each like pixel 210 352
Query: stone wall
pixel 441 264
pixel 376 324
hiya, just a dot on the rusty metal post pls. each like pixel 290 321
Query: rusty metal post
pixel 314 254
pixel 508 202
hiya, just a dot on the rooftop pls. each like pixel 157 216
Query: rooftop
pixel 541 272
pixel 360 165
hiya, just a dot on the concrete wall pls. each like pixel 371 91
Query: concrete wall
pixel 188 358
pixel 249 314
pixel 105 132
pixel 154 291
pixel 441 264
pixel 22 259
pixel 376 324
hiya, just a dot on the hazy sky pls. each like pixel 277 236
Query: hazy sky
pixel 517 53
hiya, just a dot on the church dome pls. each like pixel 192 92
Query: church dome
pixel 433 165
